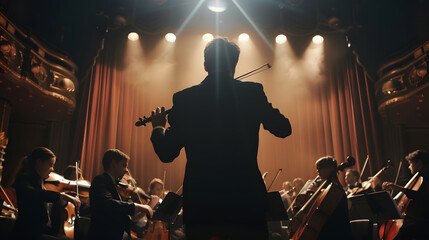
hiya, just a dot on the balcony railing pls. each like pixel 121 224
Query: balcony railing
pixel 25 62
pixel 403 77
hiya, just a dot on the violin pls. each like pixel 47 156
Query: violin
pixel 129 192
pixel 310 219
pixel 368 185
pixel 58 183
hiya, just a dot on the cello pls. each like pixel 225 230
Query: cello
pixel 390 228
pixel 70 213
pixel 310 219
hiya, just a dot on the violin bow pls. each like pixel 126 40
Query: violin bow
pixel 397 174
pixel 163 186
pixel 180 188
pixel 364 167
pixel 7 197
pixel 77 186
pixel 277 175
pixel 134 186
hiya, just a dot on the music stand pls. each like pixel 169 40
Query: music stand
pixel 168 210
pixel 376 206
pixel 276 209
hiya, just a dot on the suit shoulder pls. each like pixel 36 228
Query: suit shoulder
pixel 252 85
pixel 186 92
pixel 99 178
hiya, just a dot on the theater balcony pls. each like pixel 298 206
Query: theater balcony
pixel 37 83
pixel 402 91
pixel 403 86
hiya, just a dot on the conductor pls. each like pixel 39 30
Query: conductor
pixel 218 122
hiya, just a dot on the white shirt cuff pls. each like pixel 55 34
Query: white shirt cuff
pixel 156 127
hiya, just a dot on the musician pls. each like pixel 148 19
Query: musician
pixel 217 122
pixel 351 178
pixel 417 213
pixel 337 227
pixel 110 216
pixel 298 183
pixel 156 186
pixel 70 173
pixel 287 193
pixel 36 219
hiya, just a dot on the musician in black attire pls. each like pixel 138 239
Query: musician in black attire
pixel 110 216
pixel 351 178
pixel 38 216
pixel 218 122
pixel 416 219
pixel 338 225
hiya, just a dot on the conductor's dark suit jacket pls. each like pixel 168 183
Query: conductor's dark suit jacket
pixel 217 122
pixel 110 217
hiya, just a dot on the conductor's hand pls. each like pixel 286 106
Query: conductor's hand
pixel 145 209
pixel 158 117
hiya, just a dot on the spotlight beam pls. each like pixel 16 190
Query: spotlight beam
pixel 253 24
pixel 189 17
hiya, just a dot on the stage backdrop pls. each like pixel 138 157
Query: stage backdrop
pixel 321 89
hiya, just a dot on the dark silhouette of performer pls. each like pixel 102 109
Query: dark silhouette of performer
pixel 110 216
pixel 416 218
pixel 337 226
pixel 39 216
pixel 217 122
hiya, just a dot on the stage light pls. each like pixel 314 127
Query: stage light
pixel 170 37
pixel 243 37
pixel 217 6
pixel 281 38
pixel 207 37
pixel 317 39
pixel 133 36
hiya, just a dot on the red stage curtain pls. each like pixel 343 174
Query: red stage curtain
pixel 336 118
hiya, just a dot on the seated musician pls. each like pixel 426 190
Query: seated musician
pixel 156 187
pixel 297 183
pixel 70 173
pixel 110 216
pixel 417 213
pixel 37 205
pixel 338 226
pixel 351 178
pixel 287 193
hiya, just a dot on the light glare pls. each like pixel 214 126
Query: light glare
pixel 208 37
pixel 170 37
pixel 317 39
pixel 133 36
pixel 217 6
pixel 280 39
pixel 243 37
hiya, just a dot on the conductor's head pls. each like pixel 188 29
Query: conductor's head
pixel 221 56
